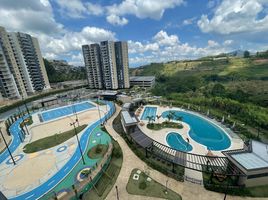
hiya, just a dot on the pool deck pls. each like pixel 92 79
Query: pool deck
pixel 160 135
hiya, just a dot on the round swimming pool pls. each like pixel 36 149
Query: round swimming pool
pixel 175 141
pixel 203 131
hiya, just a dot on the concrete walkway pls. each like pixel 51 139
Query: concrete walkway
pixel 188 191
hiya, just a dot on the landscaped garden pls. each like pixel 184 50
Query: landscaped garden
pixel 97 151
pixel 140 183
pixel 166 124
pixel 51 141
pixel 108 178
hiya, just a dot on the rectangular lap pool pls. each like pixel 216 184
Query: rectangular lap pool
pixel 67 110
pixel 148 112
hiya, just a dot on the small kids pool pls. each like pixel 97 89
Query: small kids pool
pixel 203 131
pixel 175 141
pixel 148 112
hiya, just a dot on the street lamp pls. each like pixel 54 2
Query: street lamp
pixel 73 124
pixel 166 186
pixel 76 117
pixel 99 109
pixel 25 105
pixel 7 146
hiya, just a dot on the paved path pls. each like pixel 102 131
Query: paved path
pixel 187 190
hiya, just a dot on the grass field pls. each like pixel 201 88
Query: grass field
pixel 150 188
pixel 51 141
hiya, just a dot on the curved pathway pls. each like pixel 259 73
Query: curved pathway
pixel 15 131
pixel 187 190
pixel 44 188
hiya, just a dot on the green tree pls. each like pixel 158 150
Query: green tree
pixel 218 90
pixel 246 54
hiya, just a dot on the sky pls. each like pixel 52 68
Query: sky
pixel 156 30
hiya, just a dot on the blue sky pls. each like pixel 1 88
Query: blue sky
pixel 156 30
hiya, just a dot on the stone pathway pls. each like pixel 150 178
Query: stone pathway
pixel 187 190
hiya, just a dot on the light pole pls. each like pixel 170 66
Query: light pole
pixel 25 105
pixel 7 146
pixel 99 109
pixel 73 124
pixel 76 117
pixel 117 195
pixel 166 186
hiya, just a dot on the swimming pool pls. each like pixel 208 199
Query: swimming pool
pixel 148 112
pixel 66 110
pixel 175 141
pixel 203 131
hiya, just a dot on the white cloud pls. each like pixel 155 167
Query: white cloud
pixel 72 8
pixel 116 20
pixel 212 43
pixel 162 38
pixel 228 42
pixel 138 47
pixel 188 21
pixel 174 50
pixel 94 9
pixel 79 9
pixel 74 40
pixel 240 16
pixel 29 16
pixel 142 8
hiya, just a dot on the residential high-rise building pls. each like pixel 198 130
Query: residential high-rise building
pixel 107 65
pixel 9 57
pixel 21 59
pixel 109 68
pixel 93 65
pixel 121 53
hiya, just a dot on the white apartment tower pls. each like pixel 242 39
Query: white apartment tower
pixel 122 63
pixel 107 65
pixel 93 65
pixel 20 54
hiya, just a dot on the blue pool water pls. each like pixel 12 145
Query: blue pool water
pixel 148 111
pixel 203 131
pixel 175 141
pixel 67 110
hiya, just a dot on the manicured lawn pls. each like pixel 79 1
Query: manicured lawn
pixel 151 188
pixel 97 151
pixel 51 141
pixel 167 124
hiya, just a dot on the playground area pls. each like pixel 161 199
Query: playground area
pixel 40 172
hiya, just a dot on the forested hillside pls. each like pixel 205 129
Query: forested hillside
pixel 54 76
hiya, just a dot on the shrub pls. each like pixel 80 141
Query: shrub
pixel 142 185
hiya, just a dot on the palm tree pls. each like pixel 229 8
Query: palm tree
pixel 150 119
pixel 170 116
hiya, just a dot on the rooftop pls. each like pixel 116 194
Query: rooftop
pixel 128 119
pixel 142 78
pixel 255 159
